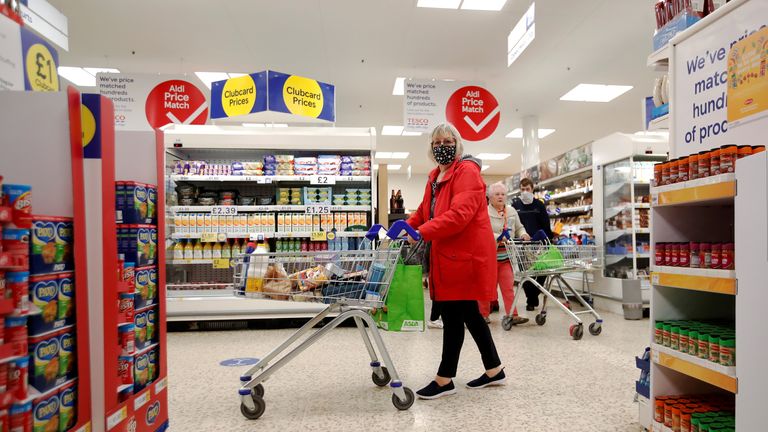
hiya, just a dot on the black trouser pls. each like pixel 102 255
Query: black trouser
pixel 436 311
pixel 532 291
pixel 457 314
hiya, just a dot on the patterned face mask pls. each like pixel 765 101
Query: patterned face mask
pixel 444 154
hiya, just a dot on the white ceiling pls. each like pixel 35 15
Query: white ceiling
pixel 362 45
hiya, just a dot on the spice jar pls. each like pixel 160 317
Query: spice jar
pixel 704 163
pixel 658 333
pixel 693 166
pixel 674 254
pixel 684 255
pixel 659 249
pixel 727 350
pixel 666 334
pixel 714 162
pixel 728 155
pixel 727 256
pixel 673 171
pixel 682 169
pixel 717 249
pixel 694 261
pixel 665 173
pixel 657 180
pixel 693 342
pixel 674 337
pixel 758 149
pixel 705 255
pixel 744 150
pixel 714 347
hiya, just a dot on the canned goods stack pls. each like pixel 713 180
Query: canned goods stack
pixel 711 341
pixel 703 164
pixel 695 413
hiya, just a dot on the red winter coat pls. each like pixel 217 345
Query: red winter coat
pixel 463 255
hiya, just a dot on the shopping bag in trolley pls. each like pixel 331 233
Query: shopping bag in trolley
pixel 405 301
pixel 549 259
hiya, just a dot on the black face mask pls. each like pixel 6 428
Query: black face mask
pixel 444 154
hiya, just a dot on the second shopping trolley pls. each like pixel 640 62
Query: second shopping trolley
pixel 534 261
pixel 351 283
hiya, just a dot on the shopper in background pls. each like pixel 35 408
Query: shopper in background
pixel 504 218
pixel 462 256
pixel 534 217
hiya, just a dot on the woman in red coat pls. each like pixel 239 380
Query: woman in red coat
pixel 454 220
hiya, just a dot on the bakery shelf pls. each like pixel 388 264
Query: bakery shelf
pixel 703 370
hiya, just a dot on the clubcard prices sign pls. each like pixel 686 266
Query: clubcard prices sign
pixel 293 94
pixel 145 102
pixel 471 109
pixel 238 96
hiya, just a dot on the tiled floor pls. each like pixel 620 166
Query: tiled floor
pixel 555 383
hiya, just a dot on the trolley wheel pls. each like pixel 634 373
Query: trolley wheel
pixel 576 331
pixel 595 329
pixel 404 405
pixel 381 382
pixel 507 323
pixel 257 411
pixel 541 319
pixel 258 391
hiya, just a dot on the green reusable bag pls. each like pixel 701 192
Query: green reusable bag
pixel 551 259
pixel 405 301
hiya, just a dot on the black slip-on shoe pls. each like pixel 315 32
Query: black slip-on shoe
pixel 485 381
pixel 530 308
pixel 434 390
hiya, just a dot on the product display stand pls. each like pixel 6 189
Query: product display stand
pixel 255 202
pixel 48 157
pixel 145 409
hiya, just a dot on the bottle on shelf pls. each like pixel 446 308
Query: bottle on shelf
pixel 189 250
pixel 392 201
pixel 178 250
pixel 197 251
pixel 216 251
pixel 399 200
pixel 207 251
pixel 226 250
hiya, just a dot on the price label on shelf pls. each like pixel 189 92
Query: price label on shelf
pixel 322 180
pixel 655 278
pixel 654 199
pixel 221 263
pixel 117 417
pixel 209 237
pixel 263 180
pixel 223 210
pixel 318 209
pixel 318 236
pixel 141 400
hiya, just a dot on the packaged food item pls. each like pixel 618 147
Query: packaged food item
pixel 704 164
pixel 67 354
pixel 45 413
pixel 18 377
pixel 693 166
pixel 151 318
pixel 714 347
pixel 126 391
pixel 127 337
pixel 17 286
pixel 125 369
pixel 137 207
pixel 674 165
pixel 140 329
pixel 3 377
pixel 716 252
pixel 4 412
pixel 694 260
pixel 67 407
pixel 705 255
pixel 45 362
pixel 20 417
pixel 727 256
pixel 19 199
pixel 728 155
pixel 16 240
pixel 44 291
pixel 682 169
pixel 659 253
pixel 152 369
pixel 152 285
pixel 151 203
pixel 727 350
pixel 140 372
pixel 665 173
pixel 125 307
pixel 674 254
pixel 142 286
pixel 714 162
pixel 744 150
pixel 16 333
pixel 66 306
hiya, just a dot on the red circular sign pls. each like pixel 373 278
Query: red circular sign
pixel 176 101
pixel 474 112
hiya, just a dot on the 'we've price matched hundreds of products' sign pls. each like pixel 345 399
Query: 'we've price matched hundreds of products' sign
pixel 701 80
pixel 471 109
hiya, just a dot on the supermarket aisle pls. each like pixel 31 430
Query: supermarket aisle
pixel 556 384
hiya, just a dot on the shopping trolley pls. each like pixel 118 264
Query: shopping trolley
pixel 531 260
pixel 352 283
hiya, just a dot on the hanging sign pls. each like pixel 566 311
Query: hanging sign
pixel 11 63
pixel 748 78
pixel 301 96
pixel 178 102
pixel 41 61
pixel 471 109
pixel 239 96
pixel 90 109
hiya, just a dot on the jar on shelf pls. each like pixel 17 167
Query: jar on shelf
pixel 716 253
pixel 704 164
pixel 684 255
pixel 682 169
pixel 673 171
pixel 694 261
pixel 727 256
pixel 693 166
pixel 705 255
pixel 744 150
pixel 714 162
pixel 728 155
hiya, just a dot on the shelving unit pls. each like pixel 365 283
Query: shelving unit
pixel 200 289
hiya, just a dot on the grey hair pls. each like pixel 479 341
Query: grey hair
pixel 496 187
pixel 445 129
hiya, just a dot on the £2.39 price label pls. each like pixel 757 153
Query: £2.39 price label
pixel 223 210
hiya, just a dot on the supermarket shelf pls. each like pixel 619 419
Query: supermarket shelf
pixel 567 176
pixel 192 261
pixel 612 188
pixel 659 59
pixel 708 280
pixel 265 179
pixel 268 208
pixel 615 258
pixel 659 123
pixel 713 190
pixel 572 210
pixel 228 307
pixel 613 211
pixel 615 234
pixel 570 194
pixel 268 234
pixel 577 227
pixel 704 370
pixel 641 205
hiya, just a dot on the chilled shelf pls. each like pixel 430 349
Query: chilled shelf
pixel 703 370
pixel 570 194
pixel 571 210
pixel 269 179
pixel 659 123
pixel 267 208
pixel 720 189
pixel 708 280
pixel 265 234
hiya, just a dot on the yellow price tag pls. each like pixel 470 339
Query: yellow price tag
pixel 221 263
pixel 331 236
pixel 209 237
pixel 41 69
pixel 318 236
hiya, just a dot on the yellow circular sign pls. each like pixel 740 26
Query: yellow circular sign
pixel 88 122
pixel 238 96
pixel 41 69
pixel 302 96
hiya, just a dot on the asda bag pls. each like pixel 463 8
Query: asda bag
pixel 404 307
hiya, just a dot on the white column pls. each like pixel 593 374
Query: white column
pixel 530 154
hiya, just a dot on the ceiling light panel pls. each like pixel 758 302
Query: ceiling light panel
pixel 439 4
pixel 406 133
pixel 518 133
pixel 392 130
pixel 493 156
pixel 393 167
pixel 595 93
pixel 77 76
pixel 484 5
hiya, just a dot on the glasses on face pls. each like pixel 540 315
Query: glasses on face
pixel 446 142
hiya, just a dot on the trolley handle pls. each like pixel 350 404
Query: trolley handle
pixel 394 231
pixel 373 232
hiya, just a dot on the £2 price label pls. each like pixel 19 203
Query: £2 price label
pixel 322 180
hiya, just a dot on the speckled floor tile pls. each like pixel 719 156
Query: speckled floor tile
pixel 554 383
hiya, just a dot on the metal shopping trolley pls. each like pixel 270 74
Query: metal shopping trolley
pixel 352 283
pixel 531 260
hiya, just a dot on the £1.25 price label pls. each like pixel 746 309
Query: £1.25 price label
pixel 318 209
